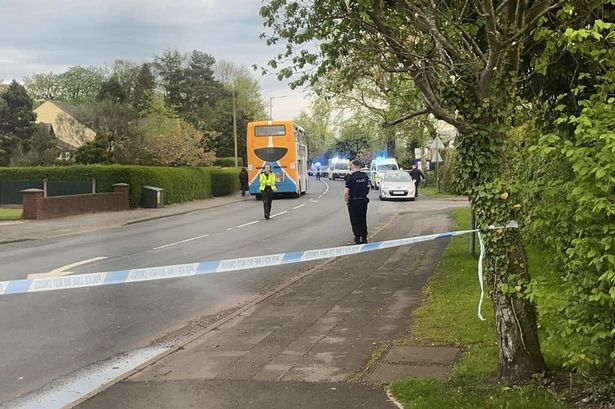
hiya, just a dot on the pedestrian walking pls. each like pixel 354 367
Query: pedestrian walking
pixel 243 181
pixel 267 187
pixel 355 194
pixel 318 174
pixel 417 176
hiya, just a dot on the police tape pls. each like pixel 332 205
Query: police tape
pixel 223 266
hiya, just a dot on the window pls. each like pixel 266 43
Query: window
pixel 270 130
pixel 397 177
pixel 389 166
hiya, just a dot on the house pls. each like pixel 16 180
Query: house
pixel 62 118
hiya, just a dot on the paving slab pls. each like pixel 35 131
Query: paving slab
pixel 301 347
pixel 387 373
pixel 241 394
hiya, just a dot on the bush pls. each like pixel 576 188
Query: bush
pixel 224 181
pixel 228 162
pixel 179 184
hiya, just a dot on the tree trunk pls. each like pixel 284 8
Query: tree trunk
pixel 519 355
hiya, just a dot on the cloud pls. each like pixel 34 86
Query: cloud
pixel 40 36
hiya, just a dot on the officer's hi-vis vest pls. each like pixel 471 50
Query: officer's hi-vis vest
pixel 267 180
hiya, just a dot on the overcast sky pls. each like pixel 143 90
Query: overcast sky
pixel 50 35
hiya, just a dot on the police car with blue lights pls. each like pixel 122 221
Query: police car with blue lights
pixel 378 168
pixel 339 168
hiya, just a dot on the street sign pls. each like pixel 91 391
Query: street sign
pixel 418 153
pixel 436 144
pixel 436 157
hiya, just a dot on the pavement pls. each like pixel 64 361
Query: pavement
pixel 24 230
pixel 294 320
pixel 303 346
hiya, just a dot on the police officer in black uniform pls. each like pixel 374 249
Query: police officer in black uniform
pixel 355 194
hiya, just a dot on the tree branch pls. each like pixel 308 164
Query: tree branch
pixel 493 56
pixel 404 118
pixel 533 22
pixel 432 102
pixel 426 24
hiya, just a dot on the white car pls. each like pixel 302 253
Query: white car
pixel 397 185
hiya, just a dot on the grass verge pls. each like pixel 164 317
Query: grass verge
pixel 432 191
pixel 448 316
pixel 10 214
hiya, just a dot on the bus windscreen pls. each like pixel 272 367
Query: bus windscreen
pixel 270 130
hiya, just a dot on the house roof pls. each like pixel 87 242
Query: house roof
pixel 72 110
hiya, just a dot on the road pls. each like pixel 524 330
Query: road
pixel 49 335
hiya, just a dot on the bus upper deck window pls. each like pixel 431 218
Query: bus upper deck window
pixel 270 130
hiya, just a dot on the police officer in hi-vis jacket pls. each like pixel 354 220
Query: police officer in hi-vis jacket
pixel 267 187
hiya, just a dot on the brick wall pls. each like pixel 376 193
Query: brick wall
pixel 36 207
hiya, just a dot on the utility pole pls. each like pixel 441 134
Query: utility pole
pixel 235 124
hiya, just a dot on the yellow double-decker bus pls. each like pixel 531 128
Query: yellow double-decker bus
pixel 283 145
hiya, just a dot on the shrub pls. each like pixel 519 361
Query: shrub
pixel 179 184
pixel 224 181
pixel 228 162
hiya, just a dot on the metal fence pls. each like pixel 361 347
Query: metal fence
pixel 64 188
pixel 10 190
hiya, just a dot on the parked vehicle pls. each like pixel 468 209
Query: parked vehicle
pixel 377 169
pixel 339 168
pixel 397 185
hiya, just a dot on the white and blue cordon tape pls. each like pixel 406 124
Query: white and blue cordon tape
pixel 228 265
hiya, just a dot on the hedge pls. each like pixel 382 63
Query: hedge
pixel 228 162
pixel 179 184
pixel 224 181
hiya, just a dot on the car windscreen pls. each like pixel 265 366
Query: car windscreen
pixel 397 177
pixel 342 166
pixel 388 166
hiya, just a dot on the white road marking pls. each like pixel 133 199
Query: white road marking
pixel 296 207
pixel 62 271
pixel 326 190
pixel 313 200
pixel 246 224
pixel 180 242
pixel 278 214
pixel 229 228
